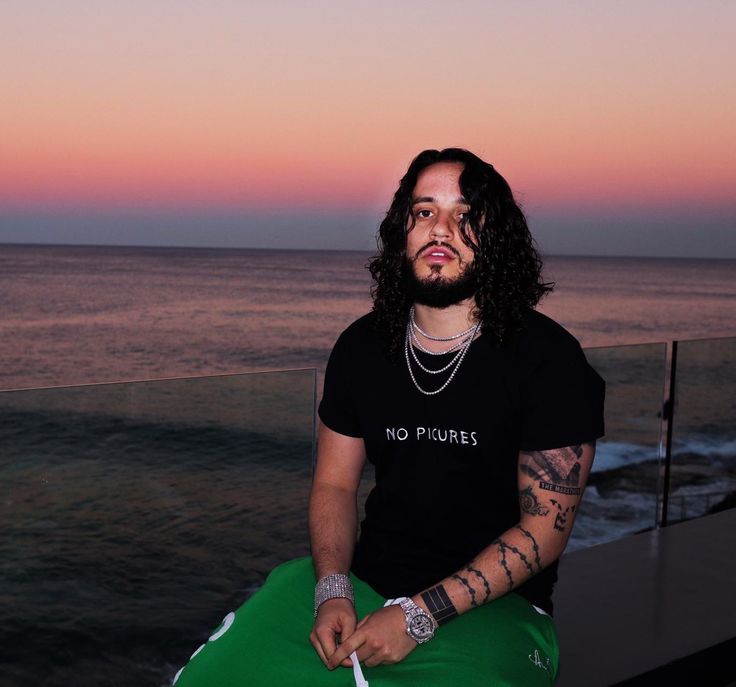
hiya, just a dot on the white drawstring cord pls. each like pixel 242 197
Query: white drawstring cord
pixel 360 681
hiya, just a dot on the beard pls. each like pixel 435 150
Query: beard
pixel 437 291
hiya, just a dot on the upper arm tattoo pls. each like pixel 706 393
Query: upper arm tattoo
pixel 530 503
pixel 557 469
pixel 562 515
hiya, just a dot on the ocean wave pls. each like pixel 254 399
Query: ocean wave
pixel 615 454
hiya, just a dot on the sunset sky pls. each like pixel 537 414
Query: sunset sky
pixel 287 123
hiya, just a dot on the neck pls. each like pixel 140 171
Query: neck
pixel 445 321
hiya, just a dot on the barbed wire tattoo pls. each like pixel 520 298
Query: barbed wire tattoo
pixel 529 536
pixel 483 579
pixel 468 586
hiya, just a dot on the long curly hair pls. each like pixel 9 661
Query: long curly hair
pixel 506 262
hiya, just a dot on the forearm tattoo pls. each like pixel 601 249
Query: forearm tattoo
pixel 520 554
pixel 439 604
pixel 483 579
pixel 504 563
pixel 468 586
pixel 535 546
pixel 503 547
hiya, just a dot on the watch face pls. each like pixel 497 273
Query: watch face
pixel 421 626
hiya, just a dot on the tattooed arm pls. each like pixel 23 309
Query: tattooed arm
pixel 550 486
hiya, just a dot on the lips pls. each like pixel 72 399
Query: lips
pixel 438 254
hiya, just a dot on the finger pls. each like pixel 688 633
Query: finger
pixel 317 646
pixel 327 640
pixel 344 650
pixel 347 626
pixel 347 663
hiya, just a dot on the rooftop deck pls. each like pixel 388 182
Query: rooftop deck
pixel 659 601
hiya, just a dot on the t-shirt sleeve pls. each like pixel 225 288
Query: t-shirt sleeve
pixel 337 407
pixel 562 399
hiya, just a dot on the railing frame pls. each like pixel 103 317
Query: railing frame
pixel 668 421
pixel 667 414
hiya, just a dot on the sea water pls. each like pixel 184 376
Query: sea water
pixel 73 315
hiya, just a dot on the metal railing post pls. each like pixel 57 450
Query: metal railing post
pixel 668 417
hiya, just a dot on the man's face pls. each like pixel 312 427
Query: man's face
pixel 440 260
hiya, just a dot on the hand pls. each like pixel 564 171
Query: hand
pixel 380 637
pixel 335 618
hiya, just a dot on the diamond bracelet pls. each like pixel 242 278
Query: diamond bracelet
pixel 332 587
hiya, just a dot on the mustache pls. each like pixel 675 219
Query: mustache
pixel 436 244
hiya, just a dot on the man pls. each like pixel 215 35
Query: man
pixel 480 416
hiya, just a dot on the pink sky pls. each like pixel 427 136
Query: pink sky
pixel 322 104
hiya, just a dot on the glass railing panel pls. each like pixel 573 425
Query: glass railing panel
pixel 135 515
pixel 703 472
pixel 621 497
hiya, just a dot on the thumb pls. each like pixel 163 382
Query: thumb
pixel 348 628
pixel 347 625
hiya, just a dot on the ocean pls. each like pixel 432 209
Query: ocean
pixel 73 315
pixel 136 515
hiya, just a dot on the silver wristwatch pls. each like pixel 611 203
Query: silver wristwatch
pixel 420 625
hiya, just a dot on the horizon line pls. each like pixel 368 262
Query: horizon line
pixel 333 250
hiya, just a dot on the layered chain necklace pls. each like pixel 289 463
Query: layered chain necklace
pixel 459 343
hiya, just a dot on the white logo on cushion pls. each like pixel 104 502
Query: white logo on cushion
pixel 536 659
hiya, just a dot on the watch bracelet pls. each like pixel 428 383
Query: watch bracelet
pixel 337 586
pixel 410 607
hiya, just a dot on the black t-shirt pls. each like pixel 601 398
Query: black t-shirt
pixel 446 465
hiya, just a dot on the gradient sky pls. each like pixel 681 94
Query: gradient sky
pixel 288 124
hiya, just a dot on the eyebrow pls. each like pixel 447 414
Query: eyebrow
pixel 430 199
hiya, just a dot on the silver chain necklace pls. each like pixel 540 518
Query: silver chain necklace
pixel 426 369
pixel 418 344
pixel 436 338
pixel 456 360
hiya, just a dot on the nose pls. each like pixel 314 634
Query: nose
pixel 442 229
